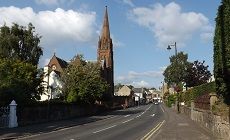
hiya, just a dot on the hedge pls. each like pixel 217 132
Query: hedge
pixel 194 92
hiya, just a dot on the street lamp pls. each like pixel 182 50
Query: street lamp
pixel 169 48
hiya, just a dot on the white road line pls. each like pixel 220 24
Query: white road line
pixel 138 116
pixel 126 116
pixel 152 115
pixel 162 109
pixel 127 120
pixel 148 108
pixel 104 129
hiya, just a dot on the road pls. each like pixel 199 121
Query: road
pixel 146 122
pixel 129 124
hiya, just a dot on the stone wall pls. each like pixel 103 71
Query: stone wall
pixel 217 124
pixel 38 114
pixel 213 122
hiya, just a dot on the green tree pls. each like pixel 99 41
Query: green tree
pixel 20 43
pixel 222 51
pixel 82 81
pixel 176 71
pixel 196 74
pixel 19 81
pixel 19 56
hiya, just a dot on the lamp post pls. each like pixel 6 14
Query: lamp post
pixel 169 48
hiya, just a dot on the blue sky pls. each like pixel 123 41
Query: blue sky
pixel 141 31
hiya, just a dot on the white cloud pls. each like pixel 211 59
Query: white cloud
pixel 133 76
pixel 53 2
pixel 169 23
pixel 141 84
pixel 129 2
pixel 116 42
pixel 207 34
pixel 145 74
pixel 47 2
pixel 54 26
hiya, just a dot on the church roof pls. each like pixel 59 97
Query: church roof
pixel 59 63
pixel 105 29
pixel 62 62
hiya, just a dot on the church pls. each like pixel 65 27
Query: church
pixel 53 70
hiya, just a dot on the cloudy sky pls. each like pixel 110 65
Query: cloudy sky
pixel 141 31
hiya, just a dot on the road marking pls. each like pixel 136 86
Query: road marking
pixel 162 109
pixel 150 133
pixel 46 133
pixel 126 116
pixel 127 120
pixel 104 129
pixel 138 116
pixel 148 108
pixel 152 115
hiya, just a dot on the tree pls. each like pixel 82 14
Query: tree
pixel 82 82
pixel 176 71
pixel 196 74
pixel 118 86
pixel 222 52
pixel 20 43
pixel 19 81
pixel 19 56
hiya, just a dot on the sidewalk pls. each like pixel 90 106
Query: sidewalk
pixel 14 133
pixel 181 127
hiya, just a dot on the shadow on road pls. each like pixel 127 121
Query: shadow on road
pixel 11 133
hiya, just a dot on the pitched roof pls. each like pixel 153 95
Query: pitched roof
pixel 124 91
pixel 58 62
pixel 138 90
pixel 62 62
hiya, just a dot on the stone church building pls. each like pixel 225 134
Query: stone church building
pixel 55 67
pixel 105 54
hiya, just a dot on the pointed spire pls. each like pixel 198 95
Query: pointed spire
pixel 105 29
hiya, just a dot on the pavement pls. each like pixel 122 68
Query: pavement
pixel 181 127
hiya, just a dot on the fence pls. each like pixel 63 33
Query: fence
pixel 8 117
pixel 4 116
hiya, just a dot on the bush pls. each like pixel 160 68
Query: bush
pixel 171 100
pixel 197 91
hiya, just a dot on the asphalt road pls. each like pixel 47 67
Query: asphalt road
pixel 138 123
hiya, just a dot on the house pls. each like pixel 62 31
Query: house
pixel 51 80
pixel 149 97
pixel 140 95
pixel 124 97
pixel 157 95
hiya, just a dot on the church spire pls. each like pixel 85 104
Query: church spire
pixel 105 28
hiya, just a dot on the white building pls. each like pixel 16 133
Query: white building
pixel 51 81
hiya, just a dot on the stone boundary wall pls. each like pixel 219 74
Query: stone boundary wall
pixel 54 112
pixel 218 125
